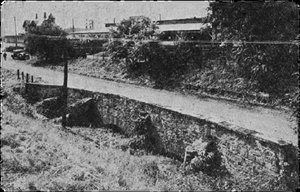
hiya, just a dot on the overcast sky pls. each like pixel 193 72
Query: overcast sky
pixel 100 12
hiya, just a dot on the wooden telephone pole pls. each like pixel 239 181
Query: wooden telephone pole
pixel 73 25
pixel 64 88
pixel 65 91
pixel 16 32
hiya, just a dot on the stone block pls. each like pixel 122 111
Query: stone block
pixel 50 107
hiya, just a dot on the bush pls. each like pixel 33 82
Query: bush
pixel 47 41
pixel 268 66
pixel 164 65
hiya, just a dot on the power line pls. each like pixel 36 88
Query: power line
pixel 238 43
pixel 203 42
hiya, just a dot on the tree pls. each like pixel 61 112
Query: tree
pixel 133 30
pixel 270 67
pixel 164 65
pixel 254 21
pixel 139 27
pixel 39 41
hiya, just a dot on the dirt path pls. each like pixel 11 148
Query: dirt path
pixel 270 124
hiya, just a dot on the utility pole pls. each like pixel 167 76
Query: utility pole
pixel 65 91
pixel 16 32
pixel 73 25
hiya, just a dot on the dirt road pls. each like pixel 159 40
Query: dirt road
pixel 270 124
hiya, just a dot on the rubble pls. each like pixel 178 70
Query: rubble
pixel 203 155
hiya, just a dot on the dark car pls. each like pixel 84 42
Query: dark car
pixel 19 54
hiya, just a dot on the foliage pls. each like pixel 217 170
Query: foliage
pixel 163 64
pixel 265 71
pixel 80 48
pixel 242 21
pixel 39 41
pixel 269 66
pixel 139 27
pixel 96 46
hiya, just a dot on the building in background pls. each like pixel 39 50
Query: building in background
pixel 183 29
pixel 27 24
pixel 193 29
pixel 12 39
pixel 89 24
pixel 19 40
pixel 90 34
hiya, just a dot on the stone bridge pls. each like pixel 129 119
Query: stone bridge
pixel 242 152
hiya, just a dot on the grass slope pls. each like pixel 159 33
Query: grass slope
pixel 39 155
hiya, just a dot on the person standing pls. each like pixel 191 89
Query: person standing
pixel 4 56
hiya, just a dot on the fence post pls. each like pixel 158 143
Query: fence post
pixel 27 78
pixel 102 105
pixel 31 78
pixel 201 53
pixel 115 120
pixel 22 76
pixel 18 74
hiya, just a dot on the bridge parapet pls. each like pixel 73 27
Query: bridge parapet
pixel 243 151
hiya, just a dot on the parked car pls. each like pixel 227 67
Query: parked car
pixel 19 54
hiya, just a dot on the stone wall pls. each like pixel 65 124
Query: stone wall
pixel 242 153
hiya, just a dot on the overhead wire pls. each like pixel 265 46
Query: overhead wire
pixel 295 42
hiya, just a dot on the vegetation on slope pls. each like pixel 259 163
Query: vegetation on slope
pixel 39 155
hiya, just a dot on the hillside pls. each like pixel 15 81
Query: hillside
pixel 39 155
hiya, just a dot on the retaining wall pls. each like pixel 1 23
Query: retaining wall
pixel 242 153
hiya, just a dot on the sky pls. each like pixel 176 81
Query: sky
pixel 100 12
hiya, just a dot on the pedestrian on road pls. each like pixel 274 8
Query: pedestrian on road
pixel 4 55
